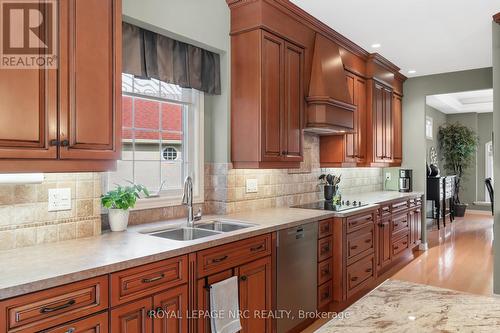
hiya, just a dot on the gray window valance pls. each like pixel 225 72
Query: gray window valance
pixel 147 54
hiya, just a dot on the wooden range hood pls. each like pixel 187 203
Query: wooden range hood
pixel 329 107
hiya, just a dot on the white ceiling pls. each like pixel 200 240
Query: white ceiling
pixel 479 101
pixel 428 36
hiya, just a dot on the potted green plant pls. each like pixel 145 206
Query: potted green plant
pixel 119 201
pixel 458 145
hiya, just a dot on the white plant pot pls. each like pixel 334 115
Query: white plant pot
pixel 118 219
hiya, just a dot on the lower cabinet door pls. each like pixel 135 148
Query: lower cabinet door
pixel 171 311
pixel 384 243
pixel 255 295
pixel 133 317
pixel 94 324
pixel 203 306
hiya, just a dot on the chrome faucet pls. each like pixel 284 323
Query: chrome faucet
pixel 187 200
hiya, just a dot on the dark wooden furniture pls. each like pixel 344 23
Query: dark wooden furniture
pixel 441 191
pixel 489 187
pixel 69 118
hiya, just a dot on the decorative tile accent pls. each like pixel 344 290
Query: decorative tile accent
pixel 25 220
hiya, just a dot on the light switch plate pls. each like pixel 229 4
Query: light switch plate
pixel 252 185
pixel 59 199
pixel 388 176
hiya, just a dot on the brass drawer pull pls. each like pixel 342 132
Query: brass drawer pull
pixel 368 270
pixel 396 247
pixel 325 249
pixel 46 309
pixel 325 295
pixel 354 247
pixel 257 248
pixel 219 259
pixel 354 279
pixel 153 279
pixel 368 241
pixel 325 272
pixel 71 330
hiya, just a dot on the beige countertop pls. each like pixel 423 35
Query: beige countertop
pixel 30 269
pixel 397 306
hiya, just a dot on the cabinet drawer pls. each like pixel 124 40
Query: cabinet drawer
pixel 399 207
pixel 325 294
pixel 325 271
pixel 94 324
pixel 384 210
pixel 361 242
pixel 145 280
pixel 358 221
pixel 230 255
pixel 360 274
pixel 324 228
pixel 51 307
pixel 401 245
pixel 325 248
pixel 399 223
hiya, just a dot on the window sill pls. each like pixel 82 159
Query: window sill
pixel 162 202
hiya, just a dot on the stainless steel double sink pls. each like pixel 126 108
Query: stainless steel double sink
pixel 200 230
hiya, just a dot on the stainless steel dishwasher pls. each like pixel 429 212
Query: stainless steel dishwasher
pixel 296 273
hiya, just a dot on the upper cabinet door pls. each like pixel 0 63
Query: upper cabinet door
pixel 272 91
pixel 397 118
pixel 360 102
pixel 90 57
pixel 350 138
pixel 293 102
pixel 379 122
pixel 28 113
pixel 388 153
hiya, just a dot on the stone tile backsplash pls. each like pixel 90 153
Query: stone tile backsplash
pixel 25 219
pixel 225 188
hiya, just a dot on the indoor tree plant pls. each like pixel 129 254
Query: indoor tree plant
pixel 458 145
pixel 119 201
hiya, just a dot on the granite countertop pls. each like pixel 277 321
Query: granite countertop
pixel 397 306
pixel 30 269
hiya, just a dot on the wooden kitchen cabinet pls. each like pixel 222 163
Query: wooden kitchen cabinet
pixel 69 118
pixel 254 280
pixel 384 252
pixel 255 295
pixel 93 324
pixel 135 317
pixel 397 124
pixel 348 150
pixel 171 308
pixel 267 101
pixel 381 123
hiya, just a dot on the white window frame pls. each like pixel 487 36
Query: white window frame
pixel 193 155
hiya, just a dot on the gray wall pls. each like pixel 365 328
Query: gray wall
pixel 204 23
pixel 496 144
pixel 439 119
pixel 415 92
pixel 484 131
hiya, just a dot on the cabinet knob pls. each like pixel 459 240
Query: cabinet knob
pixel 152 313
pixel 243 278
pixel 284 152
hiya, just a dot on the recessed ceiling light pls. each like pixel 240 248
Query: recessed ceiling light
pixel 376 45
pixel 412 71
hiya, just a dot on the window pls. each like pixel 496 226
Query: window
pixel 162 133
pixel 170 154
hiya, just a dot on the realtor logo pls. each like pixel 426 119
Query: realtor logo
pixel 28 34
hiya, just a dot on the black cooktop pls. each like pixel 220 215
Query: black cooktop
pixel 328 205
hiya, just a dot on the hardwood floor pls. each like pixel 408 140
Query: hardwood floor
pixel 460 257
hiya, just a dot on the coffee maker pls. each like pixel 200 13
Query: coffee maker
pixel 405 180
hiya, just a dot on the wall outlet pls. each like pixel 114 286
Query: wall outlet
pixel 252 186
pixel 388 176
pixel 59 199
